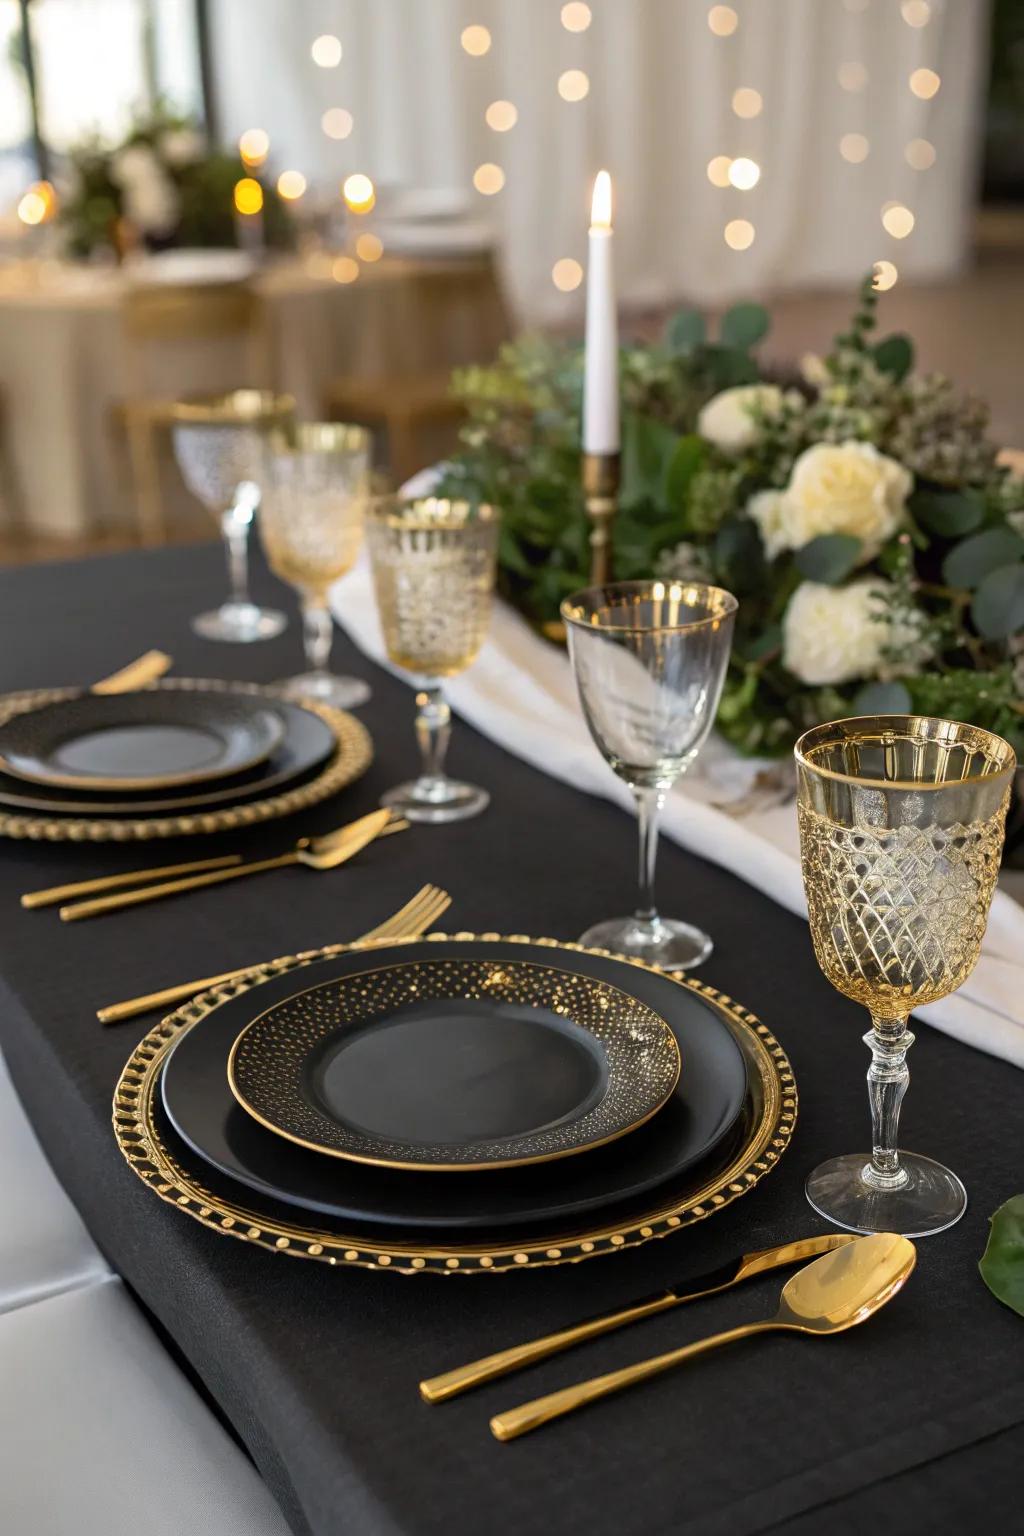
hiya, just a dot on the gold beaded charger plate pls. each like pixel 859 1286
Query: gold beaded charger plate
pixel 180 1178
pixel 350 756
pixel 455 1064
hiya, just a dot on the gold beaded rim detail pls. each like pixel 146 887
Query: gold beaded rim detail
pixel 153 1162
pixel 352 757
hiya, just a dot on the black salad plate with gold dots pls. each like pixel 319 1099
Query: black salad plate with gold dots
pixel 487 1050
pixel 454 1065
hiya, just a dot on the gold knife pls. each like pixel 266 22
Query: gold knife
pixel 437 1389
pixel 145 669
pixel 51 894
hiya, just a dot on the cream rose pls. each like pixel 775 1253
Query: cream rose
pixel 845 488
pixel 728 420
pixel 836 634
pixel 768 509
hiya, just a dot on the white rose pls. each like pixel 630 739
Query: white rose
pixel 768 509
pixel 728 419
pixel 835 634
pixel 152 204
pixel 813 370
pixel 181 146
pixel 845 488
pixel 136 162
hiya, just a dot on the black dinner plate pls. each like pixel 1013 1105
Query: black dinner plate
pixel 454 1065
pixel 150 741
pixel 700 1114
pixel 306 743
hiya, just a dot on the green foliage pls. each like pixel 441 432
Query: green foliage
pixel 829 558
pixel 203 185
pixel 954 574
pixel 1002 1263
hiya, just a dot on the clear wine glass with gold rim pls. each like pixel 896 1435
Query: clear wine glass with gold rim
pixel 434 565
pixel 311 524
pixel 219 442
pixel 901 831
pixel 650 660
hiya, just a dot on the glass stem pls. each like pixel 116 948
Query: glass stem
pixel 648 808
pixel 889 1040
pixel 433 730
pixel 236 542
pixel 317 633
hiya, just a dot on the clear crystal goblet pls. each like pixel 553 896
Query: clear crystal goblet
pixel 901 830
pixel 650 659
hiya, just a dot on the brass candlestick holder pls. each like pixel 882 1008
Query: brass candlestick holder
pixel 601 497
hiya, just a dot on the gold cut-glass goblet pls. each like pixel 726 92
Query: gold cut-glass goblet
pixel 901 831
pixel 434 564
pixel 311 525
pixel 650 660
pixel 219 443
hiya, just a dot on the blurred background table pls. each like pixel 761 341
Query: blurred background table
pixel 79 345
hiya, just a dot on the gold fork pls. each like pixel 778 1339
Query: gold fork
pixel 319 853
pixel 418 914
pixel 145 669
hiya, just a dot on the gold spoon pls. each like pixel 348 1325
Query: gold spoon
pixel 836 1292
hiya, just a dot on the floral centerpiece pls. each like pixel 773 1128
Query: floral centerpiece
pixel 161 185
pixel 860 515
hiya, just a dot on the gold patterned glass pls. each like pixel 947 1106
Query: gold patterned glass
pixel 311 524
pixel 650 660
pixel 218 444
pixel 433 565
pixel 901 831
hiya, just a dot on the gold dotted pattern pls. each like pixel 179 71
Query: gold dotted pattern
pixel 774 1102
pixel 267 1065
pixel 352 757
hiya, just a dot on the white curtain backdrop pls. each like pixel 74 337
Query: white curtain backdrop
pixel 659 108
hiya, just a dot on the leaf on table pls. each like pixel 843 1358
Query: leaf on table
pixel 1002 1263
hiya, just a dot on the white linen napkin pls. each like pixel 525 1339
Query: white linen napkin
pixel 520 692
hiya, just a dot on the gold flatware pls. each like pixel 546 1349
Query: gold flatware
pixel 836 1292
pixel 415 917
pixel 438 1389
pixel 137 674
pixel 49 896
pixel 319 853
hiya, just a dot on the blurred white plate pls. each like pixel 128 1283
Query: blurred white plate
pixel 192 266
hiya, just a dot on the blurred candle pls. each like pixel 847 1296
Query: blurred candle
pixel 601 371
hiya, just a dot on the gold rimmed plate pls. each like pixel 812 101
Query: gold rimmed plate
pixel 349 752
pixel 178 1176
pixel 453 1064
pixel 156 739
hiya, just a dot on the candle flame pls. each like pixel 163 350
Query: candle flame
pixel 601 203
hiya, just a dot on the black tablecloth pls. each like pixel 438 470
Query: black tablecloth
pixel 913 1420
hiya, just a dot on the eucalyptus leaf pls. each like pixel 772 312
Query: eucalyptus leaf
pixel 1002 1263
pixel 970 561
pixel 647 449
pixel 686 459
pixel 730 366
pixel 947 513
pixel 828 558
pixel 685 331
pixel 738 555
pixel 768 641
pixel 744 325
pixel 998 606
pixel 895 356
pixel 883 699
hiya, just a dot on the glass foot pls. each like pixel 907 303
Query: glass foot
pixel 436 800
pixel 325 688
pixel 665 942
pixel 239 623
pixel 932 1198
